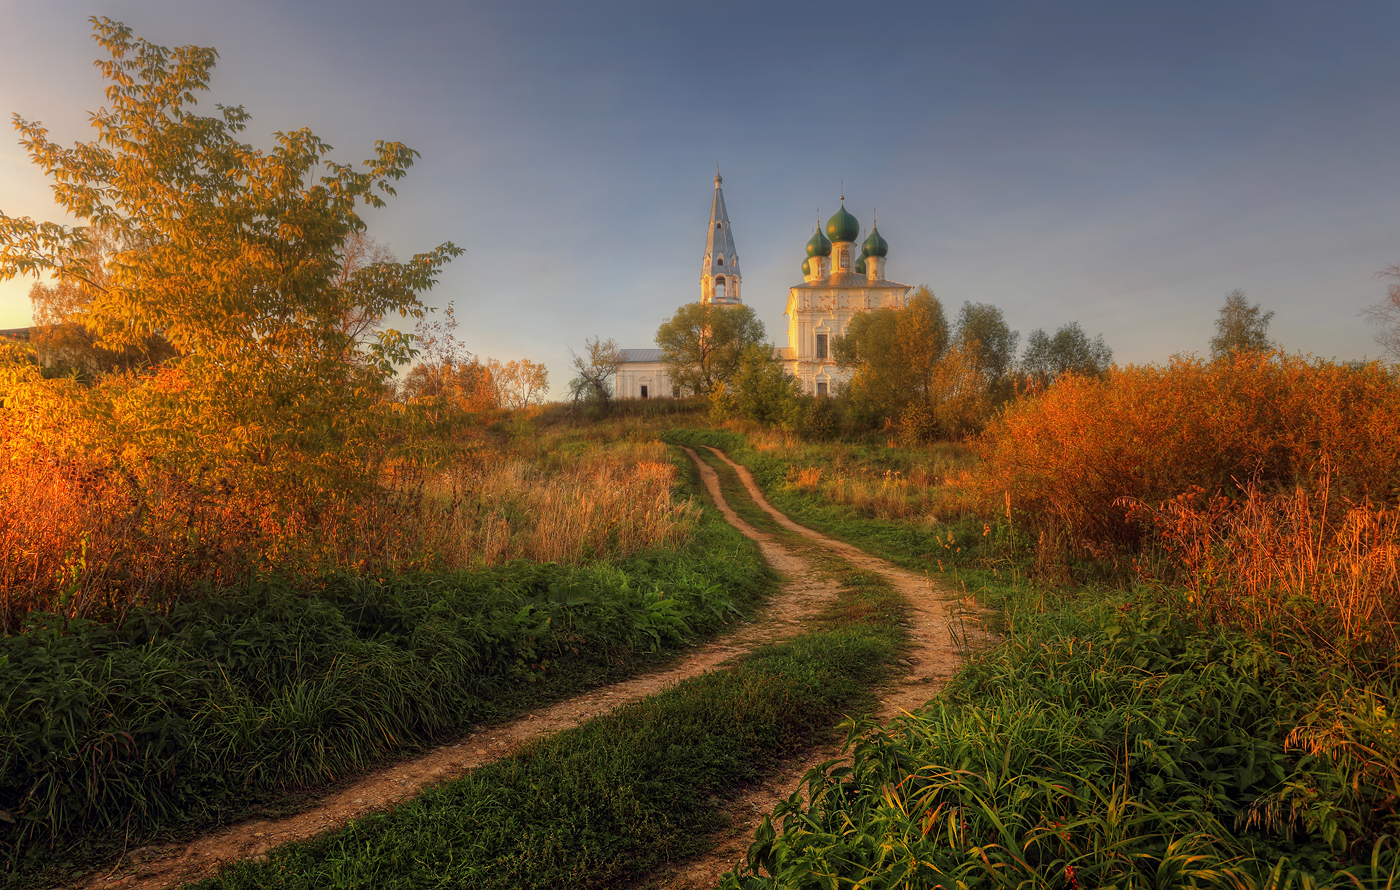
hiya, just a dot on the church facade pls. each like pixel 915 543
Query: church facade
pixel 837 284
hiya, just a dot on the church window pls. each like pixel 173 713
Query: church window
pixel 821 346
pixel 719 288
pixel 845 260
pixel 644 390
pixel 721 261
pixel 821 388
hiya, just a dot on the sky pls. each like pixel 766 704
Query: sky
pixel 1122 165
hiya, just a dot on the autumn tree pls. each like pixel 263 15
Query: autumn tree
pixel 1385 314
pixel 893 356
pixel 982 328
pixel 594 373
pixel 519 383
pixel 985 325
pixel 447 374
pixel 62 336
pixel 235 257
pixel 1240 327
pixel 1069 351
pixel 704 344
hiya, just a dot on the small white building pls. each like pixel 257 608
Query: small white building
pixel 642 375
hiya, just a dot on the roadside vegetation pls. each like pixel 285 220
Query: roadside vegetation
pixel 239 559
pixel 1195 569
pixel 608 802
pixel 114 729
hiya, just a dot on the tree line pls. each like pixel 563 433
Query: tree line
pixel 907 370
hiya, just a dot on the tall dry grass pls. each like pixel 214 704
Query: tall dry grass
pixel 846 475
pixel 83 541
pixel 1251 561
pixel 606 502
pixel 886 495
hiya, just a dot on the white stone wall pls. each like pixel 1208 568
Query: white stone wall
pixel 632 376
pixel 817 308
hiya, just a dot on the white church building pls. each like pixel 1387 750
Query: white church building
pixel 837 283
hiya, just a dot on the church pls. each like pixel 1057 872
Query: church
pixel 837 283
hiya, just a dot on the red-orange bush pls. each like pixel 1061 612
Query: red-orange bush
pixel 142 487
pixel 1070 454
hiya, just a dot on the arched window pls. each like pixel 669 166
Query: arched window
pixel 719 288
pixel 845 260
pixel 721 261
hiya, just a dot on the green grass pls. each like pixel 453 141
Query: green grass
pixel 1113 739
pixel 918 546
pixel 613 799
pixel 609 802
pixel 111 734
pixel 1107 742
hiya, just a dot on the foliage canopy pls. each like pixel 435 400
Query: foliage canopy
pixel 985 325
pixel 893 354
pixel 704 343
pixel 1240 327
pixel 1070 351
pixel 248 263
pixel 761 390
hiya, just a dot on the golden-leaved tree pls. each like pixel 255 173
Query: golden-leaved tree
pixel 231 254
pixel 237 258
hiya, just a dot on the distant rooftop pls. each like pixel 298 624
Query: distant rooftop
pixel 643 355
pixel 15 333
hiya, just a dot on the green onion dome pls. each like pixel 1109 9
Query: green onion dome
pixel 818 246
pixel 860 265
pixel 806 268
pixel 842 226
pixel 875 245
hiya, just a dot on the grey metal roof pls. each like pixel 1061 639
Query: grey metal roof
pixel 643 355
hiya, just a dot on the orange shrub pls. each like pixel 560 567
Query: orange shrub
pixel 1069 455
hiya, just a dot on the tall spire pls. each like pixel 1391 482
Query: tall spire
pixel 719 275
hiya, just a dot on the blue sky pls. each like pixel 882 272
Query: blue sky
pixel 1122 165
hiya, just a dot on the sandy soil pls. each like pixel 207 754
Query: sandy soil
pixel 936 626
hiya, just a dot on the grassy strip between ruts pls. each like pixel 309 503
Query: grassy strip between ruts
pixel 110 734
pixel 914 546
pixel 615 798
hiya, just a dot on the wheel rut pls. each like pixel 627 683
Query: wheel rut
pixel 936 631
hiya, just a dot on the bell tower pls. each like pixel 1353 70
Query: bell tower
pixel 719 275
